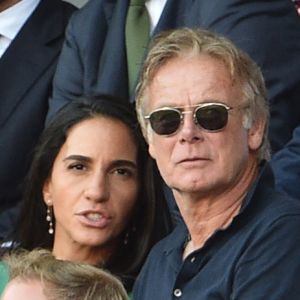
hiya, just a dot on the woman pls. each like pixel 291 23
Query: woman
pixel 92 190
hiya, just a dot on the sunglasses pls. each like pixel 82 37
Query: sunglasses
pixel 210 116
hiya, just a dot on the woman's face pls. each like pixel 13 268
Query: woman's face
pixel 93 186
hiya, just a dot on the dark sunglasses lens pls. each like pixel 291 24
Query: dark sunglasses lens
pixel 165 122
pixel 213 117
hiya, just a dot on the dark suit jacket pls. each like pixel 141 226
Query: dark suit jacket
pixel 93 59
pixel 26 71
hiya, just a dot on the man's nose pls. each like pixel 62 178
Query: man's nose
pixel 189 130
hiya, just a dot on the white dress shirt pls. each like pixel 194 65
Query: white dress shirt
pixel 12 20
pixel 155 9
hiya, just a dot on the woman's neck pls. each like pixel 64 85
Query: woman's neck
pixel 86 254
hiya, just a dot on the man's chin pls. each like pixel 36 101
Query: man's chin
pixel 189 187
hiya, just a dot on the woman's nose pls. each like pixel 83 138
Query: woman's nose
pixel 97 188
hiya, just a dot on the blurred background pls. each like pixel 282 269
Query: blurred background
pixel 80 3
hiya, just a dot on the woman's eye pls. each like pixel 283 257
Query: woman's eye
pixel 77 167
pixel 123 172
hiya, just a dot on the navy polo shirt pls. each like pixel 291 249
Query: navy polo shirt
pixel 257 257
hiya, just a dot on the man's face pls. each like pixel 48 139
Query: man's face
pixel 192 159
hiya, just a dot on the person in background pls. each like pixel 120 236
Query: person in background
pixel 31 36
pixel 93 193
pixel 203 108
pixel 297 5
pixel 38 275
pixel 94 58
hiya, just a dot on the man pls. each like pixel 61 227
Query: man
pixel 93 60
pixel 31 35
pixel 203 108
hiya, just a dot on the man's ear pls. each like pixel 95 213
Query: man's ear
pixel 149 138
pixel 256 134
pixel 152 150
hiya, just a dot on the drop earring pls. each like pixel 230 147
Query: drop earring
pixel 49 219
pixel 126 238
pixel 128 235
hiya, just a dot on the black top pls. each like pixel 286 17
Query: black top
pixel 256 257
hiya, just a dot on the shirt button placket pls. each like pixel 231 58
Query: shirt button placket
pixel 177 293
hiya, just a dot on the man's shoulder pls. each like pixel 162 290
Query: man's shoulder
pixel 171 242
pixel 265 199
pixel 271 218
pixel 57 5
pixel 275 203
pixel 283 206
pixel 94 9
pixel 156 267
pixel 91 19
pixel 59 11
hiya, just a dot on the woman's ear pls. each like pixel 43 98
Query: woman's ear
pixel 47 194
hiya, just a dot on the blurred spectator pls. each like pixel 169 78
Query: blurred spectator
pixel 297 5
pixel 31 36
pixel 37 275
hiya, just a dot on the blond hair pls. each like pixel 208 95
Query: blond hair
pixel 64 280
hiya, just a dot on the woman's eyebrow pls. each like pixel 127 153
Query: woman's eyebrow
pixel 123 163
pixel 114 163
pixel 78 158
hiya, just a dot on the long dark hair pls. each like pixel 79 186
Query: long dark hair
pixel 151 219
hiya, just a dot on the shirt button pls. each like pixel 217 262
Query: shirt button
pixel 193 259
pixel 177 293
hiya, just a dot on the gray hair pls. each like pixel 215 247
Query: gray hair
pixel 171 44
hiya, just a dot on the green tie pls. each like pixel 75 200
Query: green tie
pixel 137 36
